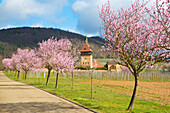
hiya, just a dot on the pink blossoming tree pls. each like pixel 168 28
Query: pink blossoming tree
pixel 57 55
pixel 7 63
pixel 62 62
pixel 23 60
pixel 28 60
pixel 16 63
pixel 135 38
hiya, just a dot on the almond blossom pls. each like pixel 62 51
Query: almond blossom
pixel 137 36
pixel 59 55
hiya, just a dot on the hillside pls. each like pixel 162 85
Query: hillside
pixel 27 37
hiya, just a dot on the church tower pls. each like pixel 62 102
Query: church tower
pixel 86 55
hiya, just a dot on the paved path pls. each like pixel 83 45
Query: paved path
pixel 18 97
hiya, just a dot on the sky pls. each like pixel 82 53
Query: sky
pixel 79 16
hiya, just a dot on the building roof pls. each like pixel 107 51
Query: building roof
pixel 112 62
pixel 86 48
pixel 96 64
pixel 86 65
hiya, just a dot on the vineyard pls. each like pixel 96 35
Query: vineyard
pixel 111 75
pixel 105 75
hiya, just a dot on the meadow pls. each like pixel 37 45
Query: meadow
pixel 109 96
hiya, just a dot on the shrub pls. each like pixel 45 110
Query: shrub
pixel 101 68
pixel 82 68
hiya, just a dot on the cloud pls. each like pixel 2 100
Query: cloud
pixel 88 20
pixel 88 16
pixel 33 25
pixel 37 25
pixel 74 30
pixel 20 10
pixel 8 26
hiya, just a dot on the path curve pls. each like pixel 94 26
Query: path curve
pixel 16 97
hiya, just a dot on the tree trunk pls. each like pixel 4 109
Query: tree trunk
pixel 15 74
pixel 49 70
pixel 134 93
pixel 56 83
pixel 18 74
pixel 72 85
pixel 25 75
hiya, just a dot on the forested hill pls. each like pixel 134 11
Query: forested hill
pixel 27 37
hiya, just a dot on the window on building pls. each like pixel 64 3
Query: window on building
pixel 113 67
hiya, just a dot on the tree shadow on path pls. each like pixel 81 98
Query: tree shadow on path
pixel 37 107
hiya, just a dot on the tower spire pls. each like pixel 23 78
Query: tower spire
pixel 86 40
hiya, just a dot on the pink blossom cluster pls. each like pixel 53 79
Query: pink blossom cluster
pixel 29 60
pixel 124 68
pixel 138 35
pixel 23 60
pixel 7 63
pixel 59 55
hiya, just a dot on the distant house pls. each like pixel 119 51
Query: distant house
pixel 96 64
pixel 87 57
pixel 113 66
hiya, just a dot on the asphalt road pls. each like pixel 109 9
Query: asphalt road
pixel 16 97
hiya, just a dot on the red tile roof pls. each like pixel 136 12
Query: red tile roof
pixel 96 64
pixel 86 65
pixel 86 48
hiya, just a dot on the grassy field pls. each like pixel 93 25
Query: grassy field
pixel 105 98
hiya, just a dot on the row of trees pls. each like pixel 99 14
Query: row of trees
pixel 139 36
pixel 59 55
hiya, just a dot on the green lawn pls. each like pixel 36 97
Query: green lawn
pixel 104 99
